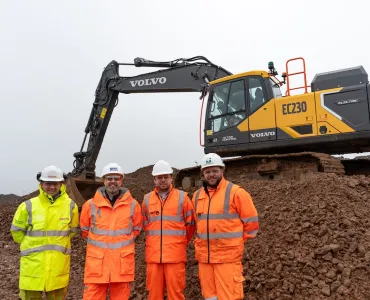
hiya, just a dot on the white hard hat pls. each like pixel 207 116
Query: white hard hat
pixel 211 160
pixel 161 167
pixel 112 168
pixel 51 173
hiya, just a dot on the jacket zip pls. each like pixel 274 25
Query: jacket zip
pixel 209 250
pixel 161 235
pixel 160 246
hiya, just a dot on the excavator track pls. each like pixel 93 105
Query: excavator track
pixel 293 166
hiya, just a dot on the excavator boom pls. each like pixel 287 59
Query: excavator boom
pixel 181 75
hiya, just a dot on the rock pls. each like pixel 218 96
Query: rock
pixel 361 249
pixel 342 290
pixel 278 268
pixel 326 290
pixel 352 247
pixel 340 267
pixel 323 230
pixel 347 283
pixel 331 274
pixel 346 273
pixel 335 285
pixel 328 256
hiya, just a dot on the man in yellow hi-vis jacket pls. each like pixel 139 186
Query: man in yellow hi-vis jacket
pixel 44 226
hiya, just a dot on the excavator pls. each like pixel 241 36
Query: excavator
pixel 260 132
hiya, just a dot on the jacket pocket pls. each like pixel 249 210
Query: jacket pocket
pixel 238 287
pixel 127 261
pixel 94 263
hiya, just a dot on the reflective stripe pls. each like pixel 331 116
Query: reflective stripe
pixel 48 233
pixel 108 232
pixel 211 298
pixel 166 232
pixel 253 232
pixel 145 223
pixel 138 228
pixel 167 218
pixel 46 248
pixel 132 210
pixel 220 235
pixel 196 199
pixel 74 229
pixel 188 214
pixel 16 228
pixel 218 216
pixel 227 198
pixel 146 201
pixel 29 211
pixel 181 203
pixel 93 213
pixel 72 205
pixel 110 245
pixel 85 228
pixel 250 220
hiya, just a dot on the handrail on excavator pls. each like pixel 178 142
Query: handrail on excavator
pixel 305 86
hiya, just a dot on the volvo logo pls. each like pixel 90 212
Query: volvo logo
pixel 148 81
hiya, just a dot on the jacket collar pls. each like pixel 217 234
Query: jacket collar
pixel 101 198
pixel 44 196
pixel 170 191
pixel 222 185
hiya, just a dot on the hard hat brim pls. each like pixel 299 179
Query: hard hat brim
pixel 162 173
pixel 213 165
pixel 112 173
pixel 51 179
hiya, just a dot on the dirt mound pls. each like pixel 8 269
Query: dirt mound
pixel 9 199
pixel 314 241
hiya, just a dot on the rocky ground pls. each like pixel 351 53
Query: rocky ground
pixel 314 242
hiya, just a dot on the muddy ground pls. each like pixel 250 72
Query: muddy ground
pixel 313 243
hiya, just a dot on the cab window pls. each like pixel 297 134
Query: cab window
pixel 257 96
pixel 275 89
pixel 226 106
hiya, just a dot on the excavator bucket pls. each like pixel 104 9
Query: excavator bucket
pixel 81 190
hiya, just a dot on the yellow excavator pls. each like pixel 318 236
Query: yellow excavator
pixel 246 119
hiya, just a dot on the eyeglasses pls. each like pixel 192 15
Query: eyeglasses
pixel 115 178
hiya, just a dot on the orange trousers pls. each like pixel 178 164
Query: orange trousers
pixel 221 281
pixel 160 277
pixel 99 291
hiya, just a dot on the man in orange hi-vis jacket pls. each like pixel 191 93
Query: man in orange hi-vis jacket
pixel 111 221
pixel 169 224
pixel 226 218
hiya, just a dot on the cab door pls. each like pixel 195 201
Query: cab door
pixel 261 110
pixel 226 110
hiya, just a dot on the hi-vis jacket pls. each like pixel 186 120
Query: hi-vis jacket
pixel 225 220
pixel 169 225
pixel 110 233
pixel 44 231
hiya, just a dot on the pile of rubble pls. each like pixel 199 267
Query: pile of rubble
pixel 313 243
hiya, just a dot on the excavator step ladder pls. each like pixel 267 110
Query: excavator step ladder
pixel 305 86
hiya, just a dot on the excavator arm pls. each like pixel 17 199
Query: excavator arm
pixel 181 75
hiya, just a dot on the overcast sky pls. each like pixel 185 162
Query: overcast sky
pixel 53 53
